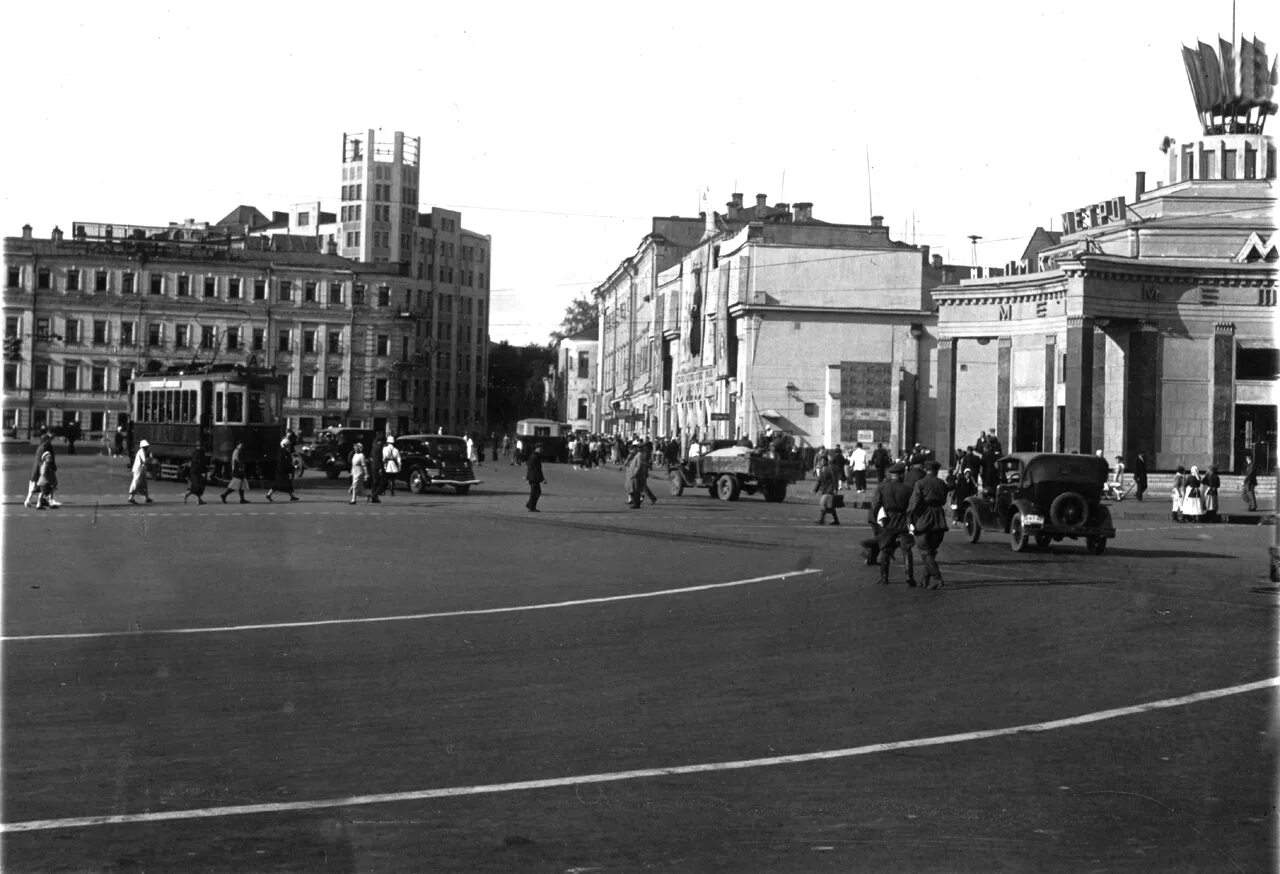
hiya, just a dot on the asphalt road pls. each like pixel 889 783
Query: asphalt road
pixel 444 683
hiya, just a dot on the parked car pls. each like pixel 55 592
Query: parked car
pixel 435 461
pixel 1044 497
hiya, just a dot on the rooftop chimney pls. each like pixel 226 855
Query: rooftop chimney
pixel 1139 185
pixel 937 261
pixel 737 199
pixel 762 204
pixel 26 232
pixel 803 212
pixel 331 247
pixel 877 221
pixel 56 236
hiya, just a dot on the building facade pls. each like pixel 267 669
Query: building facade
pixel 1149 325
pixel 577 364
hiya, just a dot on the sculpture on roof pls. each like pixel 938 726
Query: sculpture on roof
pixel 1233 88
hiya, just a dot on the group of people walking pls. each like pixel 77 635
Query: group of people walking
pixel 909 512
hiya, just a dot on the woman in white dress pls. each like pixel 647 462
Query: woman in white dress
pixel 1192 506
pixel 1177 493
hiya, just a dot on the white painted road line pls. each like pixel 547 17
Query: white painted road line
pixel 412 616
pixel 618 776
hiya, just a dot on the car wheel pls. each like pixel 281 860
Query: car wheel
pixel 727 488
pixel 417 481
pixel 1020 540
pixel 298 466
pixel 1043 540
pixel 972 527
pixel 462 490
pixel 1097 545
pixel 676 482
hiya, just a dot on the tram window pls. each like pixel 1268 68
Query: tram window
pixel 217 407
pixel 255 408
pixel 184 407
pixel 167 415
pixel 235 407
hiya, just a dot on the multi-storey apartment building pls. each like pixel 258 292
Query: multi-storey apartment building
pixel 82 315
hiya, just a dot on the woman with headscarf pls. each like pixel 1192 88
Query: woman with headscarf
pixel 1192 505
pixel 195 476
pixel 1177 493
pixel 359 472
pixel 282 479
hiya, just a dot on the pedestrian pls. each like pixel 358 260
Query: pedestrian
pixel 195 476
pixel 826 486
pixel 1249 484
pixel 858 460
pixel 1140 474
pixel 928 518
pixel 479 450
pixel 966 487
pixel 359 471
pixel 141 462
pixel 880 461
pixel 1176 493
pixel 506 445
pixel 374 461
pixel 33 488
pixel 391 462
pixel 871 545
pixel 533 475
pixel 631 477
pixel 118 447
pixel 518 458
pixel 1192 505
pixel 73 433
pixel 646 464
pixel 239 477
pixel 1209 488
pixel 471 449
pixel 893 498
pixel 47 482
pixel 283 479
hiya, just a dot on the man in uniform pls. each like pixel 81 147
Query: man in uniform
pixel 892 500
pixel 927 511
pixel 533 474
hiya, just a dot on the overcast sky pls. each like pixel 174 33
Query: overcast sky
pixel 560 129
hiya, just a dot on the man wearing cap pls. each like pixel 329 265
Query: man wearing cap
pixel 890 508
pixel 138 485
pixel 533 474
pixel 927 512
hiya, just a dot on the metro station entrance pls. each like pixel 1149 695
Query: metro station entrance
pixel 1028 429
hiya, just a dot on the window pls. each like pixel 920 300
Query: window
pixel 100 280
pixel 384 296
pixel 282 341
pixel 357 292
pixel 44 279
pixel 70 377
pixel 404 393
pixel 15 277
pixel 155 334
pixel 286 290
pixel 180 333
pixel 331 388
pixel 233 288
pixel 157 283
pixel 126 374
pixel 584 366
pixel 309 341
pixel 11 376
pixel 1257 364
pixel 126 282
pixel 73 280
pixel 582 408
pixel 384 343
pixel 71 334
pixel 126 334
pixel 259 289
pixel 335 292
pixel 335 343
pixel 309 291
pixel 404 348
pixel 97 420
pixel 304 219
pixel 380 390
pixel 308 385
pixel 40 376
pixel 98 382
pixel 100 334
pixel 184 286
pixel 233 339
pixel 259 339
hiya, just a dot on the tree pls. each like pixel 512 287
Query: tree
pixel 516 388
pixel 580 315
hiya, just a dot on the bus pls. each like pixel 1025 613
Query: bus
pixel 551 435
pixel 212 406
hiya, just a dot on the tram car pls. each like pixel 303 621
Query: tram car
pixel 214 407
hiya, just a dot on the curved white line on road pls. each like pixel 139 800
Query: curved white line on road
pixel 618 776
pixel 219 629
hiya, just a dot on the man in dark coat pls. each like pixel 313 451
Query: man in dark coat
pixel 927 512
pixel 533 475
pixel 377 479
pixel 880 461
pixel 46 445
pixel 890 508
pixel 827 486
pixel 1250 483
pixel 1140 473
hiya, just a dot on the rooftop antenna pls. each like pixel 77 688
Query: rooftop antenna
pixel 870 204
pixel 782 193
pixel 973 245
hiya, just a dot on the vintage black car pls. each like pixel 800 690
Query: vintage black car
pixel 435 461
pixel 1043 497
pixel 330 451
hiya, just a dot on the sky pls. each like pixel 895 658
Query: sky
pixel 560 129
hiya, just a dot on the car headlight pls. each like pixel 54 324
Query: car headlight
pixel 1032 519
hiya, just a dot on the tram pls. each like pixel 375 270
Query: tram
pixel 213 406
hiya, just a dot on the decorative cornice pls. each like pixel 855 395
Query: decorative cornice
pixel 1224 327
